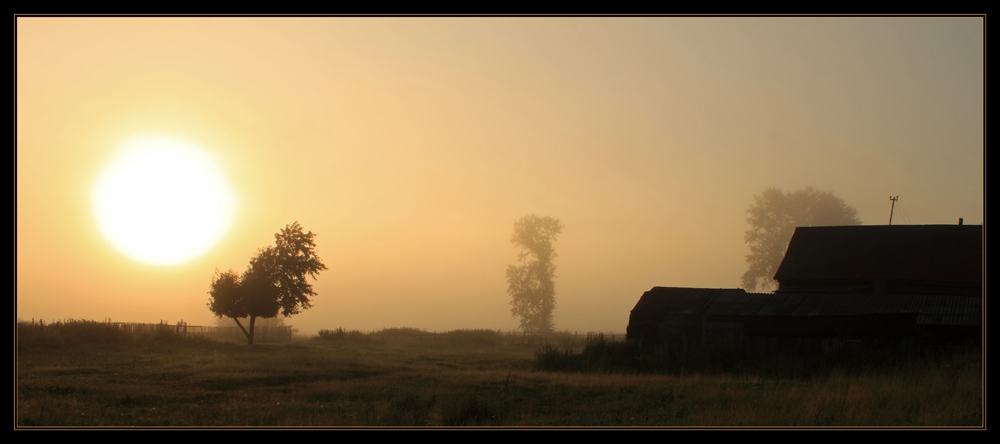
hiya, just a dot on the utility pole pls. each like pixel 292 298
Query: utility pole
pixel 893 199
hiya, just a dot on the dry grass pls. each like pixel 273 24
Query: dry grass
pixel 454 380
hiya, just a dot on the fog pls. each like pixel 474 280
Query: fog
pixel 411 145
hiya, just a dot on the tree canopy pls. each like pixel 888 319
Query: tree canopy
pixel 531 285
pixel 773 217
pixel 275 281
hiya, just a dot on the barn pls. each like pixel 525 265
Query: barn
pixel 884 259
pixel 674 314
pixel 887 287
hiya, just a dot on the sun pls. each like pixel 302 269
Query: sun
pixel 162 201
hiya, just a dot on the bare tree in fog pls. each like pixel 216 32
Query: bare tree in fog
pixel 773 217
pixel 531 285
pixel 274 281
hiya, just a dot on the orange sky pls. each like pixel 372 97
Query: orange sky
pixel 410 146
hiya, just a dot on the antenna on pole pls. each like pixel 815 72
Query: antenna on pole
pixel 893 199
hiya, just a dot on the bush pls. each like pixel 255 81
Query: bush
pixel 343 335
pixel 550 358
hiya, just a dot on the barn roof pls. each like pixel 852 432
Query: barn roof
pixel 679 300
pixel 923 253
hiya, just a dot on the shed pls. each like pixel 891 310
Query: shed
pixel 672 313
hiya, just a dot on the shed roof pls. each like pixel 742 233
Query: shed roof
pixel 923 253
pixel 679 300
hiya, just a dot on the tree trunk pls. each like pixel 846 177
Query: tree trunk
pixel 249 335
pixel 252 320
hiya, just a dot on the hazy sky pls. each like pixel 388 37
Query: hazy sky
pixel 411 145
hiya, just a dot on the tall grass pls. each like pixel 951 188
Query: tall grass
pixel 68 333
pixel 76 332
pixel 340 334
pixel 472 337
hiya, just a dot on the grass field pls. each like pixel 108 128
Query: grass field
pixel 463 378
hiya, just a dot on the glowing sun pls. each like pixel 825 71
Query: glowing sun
pixel 162 201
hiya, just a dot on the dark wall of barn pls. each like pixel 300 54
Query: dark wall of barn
pixel 802 334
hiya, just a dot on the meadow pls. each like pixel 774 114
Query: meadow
pixel 83 374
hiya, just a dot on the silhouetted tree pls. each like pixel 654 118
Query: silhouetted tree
pixel 531 285
pixel 773 217
pixel 273 324
pixel 275 281
pixel 278 321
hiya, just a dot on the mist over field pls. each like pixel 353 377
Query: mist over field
pixel 411 145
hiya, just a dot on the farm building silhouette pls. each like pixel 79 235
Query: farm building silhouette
pixel 883 287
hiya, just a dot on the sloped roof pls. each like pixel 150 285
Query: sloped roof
pixel 679 300
pixel 925 253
